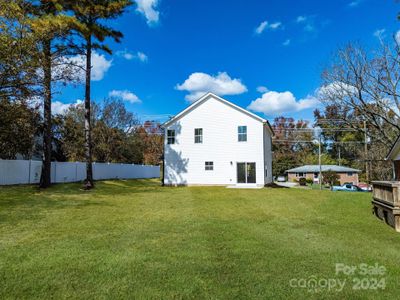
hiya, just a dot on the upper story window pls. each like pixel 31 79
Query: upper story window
pixel 198 135
pixel 242 133
pixel 170 136
pixel 350 174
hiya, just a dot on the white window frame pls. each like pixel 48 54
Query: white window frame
pixel 242 134
pixel 171 136
pixel 209 166
pixel 198 138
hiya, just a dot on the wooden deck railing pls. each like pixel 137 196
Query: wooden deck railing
pixel 387 191
pixel 386 202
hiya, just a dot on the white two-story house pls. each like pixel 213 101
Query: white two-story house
pixel 215 142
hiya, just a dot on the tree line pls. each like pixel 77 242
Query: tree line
pixel 360 116
pixel 36 40
pixel 117 134
pixel 359 92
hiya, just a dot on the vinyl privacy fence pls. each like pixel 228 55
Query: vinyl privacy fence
pixel 28 171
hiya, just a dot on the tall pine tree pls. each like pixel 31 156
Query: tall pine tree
pixel 92 14
pixel 51 26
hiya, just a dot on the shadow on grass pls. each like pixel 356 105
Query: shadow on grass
pixel 16 209
pixel 273 185
pixel 64 194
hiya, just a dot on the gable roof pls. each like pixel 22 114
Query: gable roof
pixel 206 97
pixel 315 169
pixel 394 150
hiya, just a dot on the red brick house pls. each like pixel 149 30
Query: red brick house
pixel 346 174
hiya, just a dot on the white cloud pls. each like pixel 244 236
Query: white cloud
pixel 130 56
pixel 265 25
pixel 336 89
pixel 309 28
pixel 142 57
pixel 100 66
pixel 198 84
pixel 125 54
pixel 312 24
pixel 77 64
pixel 260 28
pixel 397 37
pixel 301 19
pixel 379 33
pixel 58 107
pixel 354 3
pixel 125 95
pixel 286 43
pixel 275 25
pixel 275 103
pixel 148 8
pixel 262 89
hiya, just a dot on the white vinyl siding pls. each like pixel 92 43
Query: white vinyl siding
pixel 185 160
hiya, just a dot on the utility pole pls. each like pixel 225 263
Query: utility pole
pixel 366 151
pixel 319 162
pixel 340 159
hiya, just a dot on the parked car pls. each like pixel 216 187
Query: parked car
pixel 347 187
pixel 365 186
pixel 281 179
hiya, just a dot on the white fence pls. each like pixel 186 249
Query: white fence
pixel 28 171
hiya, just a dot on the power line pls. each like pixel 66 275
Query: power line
pixel 314 142
pixel 316 129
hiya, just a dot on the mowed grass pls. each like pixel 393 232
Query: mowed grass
pixel 137 240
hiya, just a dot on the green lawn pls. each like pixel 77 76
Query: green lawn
pixel 135 239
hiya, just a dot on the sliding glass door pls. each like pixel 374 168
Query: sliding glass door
pixel 246 172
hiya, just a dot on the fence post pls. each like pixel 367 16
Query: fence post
pixel 29 171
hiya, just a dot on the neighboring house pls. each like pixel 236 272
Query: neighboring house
pixel 394 156
pixel 215 142
pixel 346 175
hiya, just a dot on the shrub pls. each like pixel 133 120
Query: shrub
pixel 303 181
pixel 309 181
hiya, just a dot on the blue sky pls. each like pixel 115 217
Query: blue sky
pixel 266 56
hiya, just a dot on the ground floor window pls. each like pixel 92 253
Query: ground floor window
pixel 209 165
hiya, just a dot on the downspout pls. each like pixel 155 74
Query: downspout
pixel 163 169
pixel 394 171
pixel 264 166
pixel 163 163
